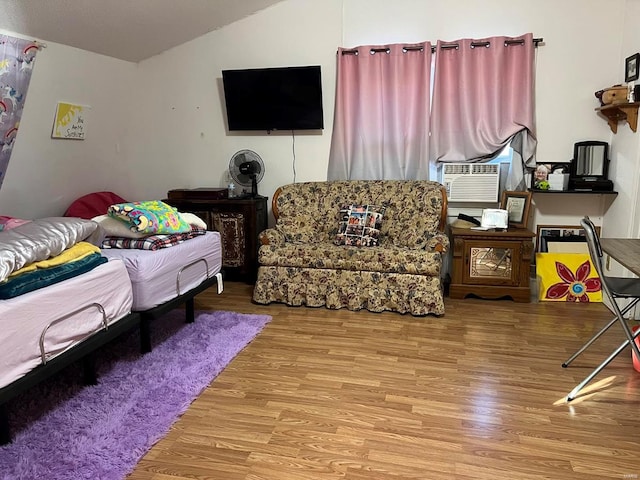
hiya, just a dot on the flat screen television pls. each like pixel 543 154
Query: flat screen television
pixel 284 98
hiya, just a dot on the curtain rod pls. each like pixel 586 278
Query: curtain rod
pixel 536 42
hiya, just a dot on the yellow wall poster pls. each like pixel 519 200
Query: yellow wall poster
pixel 70 121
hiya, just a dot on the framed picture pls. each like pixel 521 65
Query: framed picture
pixel 559 233
pixel 631 67
pixel 70 121
pixel 540 176
pixel 518 205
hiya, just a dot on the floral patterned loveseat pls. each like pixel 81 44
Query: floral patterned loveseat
pixel 301 264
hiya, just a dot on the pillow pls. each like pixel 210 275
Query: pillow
pixel 114 227
pixel 93 204
pixel 359 225
pixel 193 219
pixel 152 216
pixel 40 239
pixel 7 223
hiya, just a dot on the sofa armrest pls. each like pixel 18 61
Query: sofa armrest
pixel 438 242
pixel 271 236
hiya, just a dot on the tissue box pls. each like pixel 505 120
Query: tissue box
pixel 558 181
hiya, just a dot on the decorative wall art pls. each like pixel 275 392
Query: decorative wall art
pixel 567 277
pixel 632 67
pixel 70 121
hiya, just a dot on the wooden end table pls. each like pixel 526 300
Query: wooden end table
pixel 491 264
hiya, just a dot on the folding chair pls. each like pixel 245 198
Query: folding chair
pixel 614 288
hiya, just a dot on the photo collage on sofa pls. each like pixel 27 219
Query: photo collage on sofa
pixel 359 226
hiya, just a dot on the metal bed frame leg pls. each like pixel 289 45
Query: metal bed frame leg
pixel 89 376
pixel 186 299
pixel 190 310
pixel 5 432
pixel 145 334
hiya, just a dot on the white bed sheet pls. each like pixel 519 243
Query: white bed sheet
pixel 154 273
pixel 23 318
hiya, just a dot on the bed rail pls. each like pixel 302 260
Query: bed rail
pixel 105 326
pixel 178 277
pixel 186 298
pixel 81 349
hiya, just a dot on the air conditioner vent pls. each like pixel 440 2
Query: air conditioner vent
pixel 471 182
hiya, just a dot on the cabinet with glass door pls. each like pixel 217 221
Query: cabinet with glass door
pixel 491 264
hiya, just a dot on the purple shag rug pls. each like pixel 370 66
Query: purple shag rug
pixel 63 430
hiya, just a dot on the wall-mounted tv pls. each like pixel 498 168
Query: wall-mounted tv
pixel 284 98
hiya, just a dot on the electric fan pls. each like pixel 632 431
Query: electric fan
pixel 247 169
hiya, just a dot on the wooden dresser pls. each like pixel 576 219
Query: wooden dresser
pixel 239 221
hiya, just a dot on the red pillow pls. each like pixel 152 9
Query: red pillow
pixel 93 204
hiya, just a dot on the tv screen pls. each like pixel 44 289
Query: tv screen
pixel 286 98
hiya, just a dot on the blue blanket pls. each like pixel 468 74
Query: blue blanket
pixel 40 278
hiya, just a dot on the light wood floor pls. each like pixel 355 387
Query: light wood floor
pixel 476 394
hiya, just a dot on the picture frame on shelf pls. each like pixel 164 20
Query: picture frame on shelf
pixel 632 68
pixel 517 204
pixel 540 175
pixel 547 234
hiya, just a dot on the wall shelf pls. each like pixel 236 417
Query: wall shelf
pixel 575 192
pixel 620 112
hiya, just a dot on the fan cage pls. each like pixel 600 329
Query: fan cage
pixel 240 158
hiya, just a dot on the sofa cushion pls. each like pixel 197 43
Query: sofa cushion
pixel 326 255
pixel 301 228
pixel 411 218
pixel 359 225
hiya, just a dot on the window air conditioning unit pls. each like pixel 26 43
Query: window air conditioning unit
pixel 471 182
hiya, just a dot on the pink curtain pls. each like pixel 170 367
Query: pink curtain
pixel 483 99
pixel 16 64
pixel 381 122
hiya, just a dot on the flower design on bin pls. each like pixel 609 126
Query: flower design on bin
pixel 574 287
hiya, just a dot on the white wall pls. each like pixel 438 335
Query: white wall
pixel 623 218
pixel 180 138
pixel 44 174
pixel 167 116
pixel 577 60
